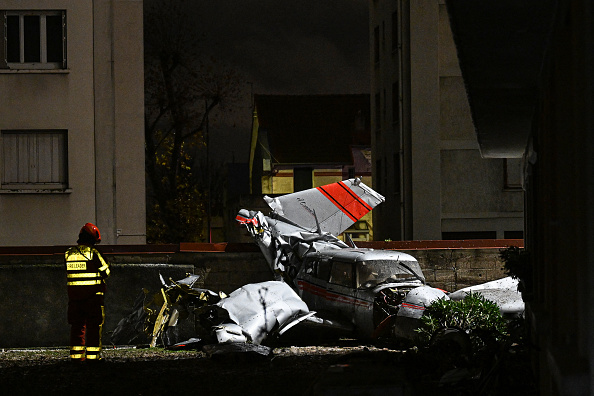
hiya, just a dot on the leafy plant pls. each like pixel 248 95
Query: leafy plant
pixel 516 263
pixel 476 316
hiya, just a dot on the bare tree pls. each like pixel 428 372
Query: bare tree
pixel 182 88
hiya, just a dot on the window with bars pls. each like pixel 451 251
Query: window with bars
pixel 34 40
pixel 34 159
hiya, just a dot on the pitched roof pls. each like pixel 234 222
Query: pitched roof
pixel 314 129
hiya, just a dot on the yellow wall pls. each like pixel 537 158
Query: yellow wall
pixel 280 183
pixel 326 176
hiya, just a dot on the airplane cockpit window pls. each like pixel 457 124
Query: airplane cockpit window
pixel 366 276
pixel 323 270
pixel 310 266
pixel 372 273
pixel 342 274
pixel 318 268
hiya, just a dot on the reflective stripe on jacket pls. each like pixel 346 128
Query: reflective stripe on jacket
pixel 86 271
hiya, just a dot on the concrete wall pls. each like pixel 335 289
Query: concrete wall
pixel 119 121
pixel 454 269
pixel 425 155
pixel 56 99
pixel 98 100
pixel 33 289
pixel 34 301
pixel 424 97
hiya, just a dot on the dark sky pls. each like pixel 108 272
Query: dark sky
pixel 282 47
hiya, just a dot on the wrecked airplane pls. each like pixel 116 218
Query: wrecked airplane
pixel 366 291
pixel 321 281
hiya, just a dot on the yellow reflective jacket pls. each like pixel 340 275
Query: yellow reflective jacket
pixel 86 272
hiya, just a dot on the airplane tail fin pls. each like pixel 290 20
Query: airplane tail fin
pixel 331 208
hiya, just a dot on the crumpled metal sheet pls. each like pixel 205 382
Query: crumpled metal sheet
pixel 418 299
pixel 307 221
pixel 503 292
pixel 260 307
pixel 282 244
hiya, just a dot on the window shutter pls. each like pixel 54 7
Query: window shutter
pixel 34 158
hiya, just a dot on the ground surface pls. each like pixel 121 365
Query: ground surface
pixel 345 368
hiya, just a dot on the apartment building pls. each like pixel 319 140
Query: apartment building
pixel 426 159
pixel 72 121
pixel 529 65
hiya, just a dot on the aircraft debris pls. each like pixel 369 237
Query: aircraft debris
pixel 320 282
pixel 503 292
pixel 155 319
pixel 374 292
pixel 248 315
pixel 368 291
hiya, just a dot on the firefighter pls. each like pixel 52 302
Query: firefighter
pixel 86 273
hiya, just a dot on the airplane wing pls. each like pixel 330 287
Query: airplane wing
pixel 503 292
pixel 336 206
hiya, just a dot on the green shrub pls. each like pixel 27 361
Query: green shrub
pixel 516 262
pixel 476 316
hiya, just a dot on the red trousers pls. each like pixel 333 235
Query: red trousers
pixel 86 319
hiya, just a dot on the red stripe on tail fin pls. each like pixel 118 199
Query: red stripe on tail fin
pixel 346 200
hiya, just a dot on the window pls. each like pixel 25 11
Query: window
pixel 513 234
pixel 384 106
pixel 460 235
pixel 379 175
pixel 378 115
pixel 34 40
pixel 395 104
pixel 322 270
pixel 33 160
pixel 396 159
pixel 342 274
pixel 302 179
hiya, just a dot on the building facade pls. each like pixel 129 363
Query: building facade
pixel 426 159
pixel 534 72
pixel 72 121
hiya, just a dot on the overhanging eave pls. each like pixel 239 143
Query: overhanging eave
pixel 501 45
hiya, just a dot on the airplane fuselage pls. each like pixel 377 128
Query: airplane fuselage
pixel 345 285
